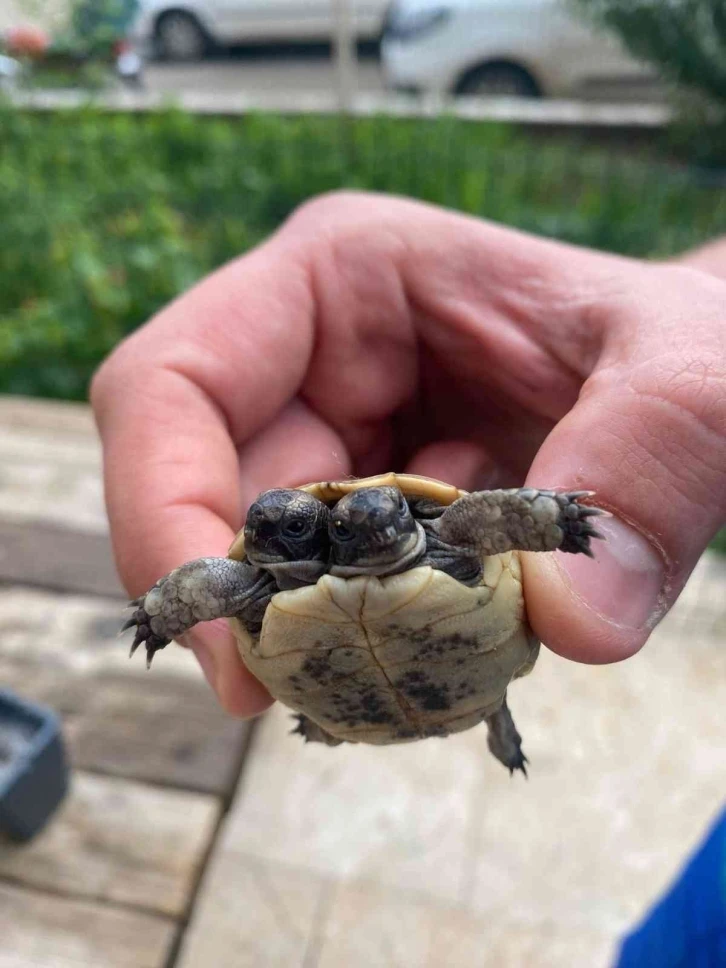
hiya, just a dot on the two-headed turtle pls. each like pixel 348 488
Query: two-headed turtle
pixel 381 610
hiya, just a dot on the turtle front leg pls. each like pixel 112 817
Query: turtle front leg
pixel 518 519
pixel 504 741
pixel 199 591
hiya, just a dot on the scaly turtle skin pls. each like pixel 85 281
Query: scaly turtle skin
pixel 381 610
pixel 288 547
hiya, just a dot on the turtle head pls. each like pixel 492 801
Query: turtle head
pixel 288 527
pixel 372 531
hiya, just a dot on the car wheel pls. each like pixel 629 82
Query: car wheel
pixel 180 37
pixel 504 80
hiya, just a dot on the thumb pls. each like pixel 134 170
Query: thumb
pixel 648 435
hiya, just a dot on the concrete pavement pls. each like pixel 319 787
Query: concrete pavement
pixel 260 73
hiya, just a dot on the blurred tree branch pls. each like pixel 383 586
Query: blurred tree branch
pixel 685 40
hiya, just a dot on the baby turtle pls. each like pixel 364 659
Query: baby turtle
pixel 381 610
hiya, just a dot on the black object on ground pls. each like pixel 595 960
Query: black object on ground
pixel 33 767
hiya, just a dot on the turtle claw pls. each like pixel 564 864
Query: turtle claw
pixel 520 763
pixel 135 644
pixel 140 620
pixel 588 512
pixel 574 523
pixel 580 543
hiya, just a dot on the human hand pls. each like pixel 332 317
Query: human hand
pixel 373 334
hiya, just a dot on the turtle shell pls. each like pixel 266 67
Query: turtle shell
pixel 398 658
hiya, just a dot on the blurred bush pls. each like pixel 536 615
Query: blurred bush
pixel 685 40
pixel 106 217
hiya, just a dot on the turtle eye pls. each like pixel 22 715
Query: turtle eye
pixel 402 504
pixel 342 531
pixel 295 528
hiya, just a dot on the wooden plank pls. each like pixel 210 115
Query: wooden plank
pixel 42 931
pixel 75 631
pixel 119 841
pixel 164 726
pixel 253 914
pixel 50 461
pixel 163 729
pixel 55 556
pixel 53 528
pixel 72 420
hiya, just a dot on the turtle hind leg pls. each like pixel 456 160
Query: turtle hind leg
pixel 312 733
pixel 504 741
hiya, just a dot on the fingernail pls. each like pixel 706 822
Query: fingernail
pixel 624 583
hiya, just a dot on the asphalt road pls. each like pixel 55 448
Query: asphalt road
pixel 260 72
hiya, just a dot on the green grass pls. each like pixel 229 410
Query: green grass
pixel 107 217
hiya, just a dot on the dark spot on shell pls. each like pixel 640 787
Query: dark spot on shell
pixel 413 675
pixel 317 666
pixel 426 694
pixel 377 718
pixel 373 708
pixel 435 697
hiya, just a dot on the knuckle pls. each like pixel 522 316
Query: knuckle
pixel 99 385
pixel 107 380
pixel 329 208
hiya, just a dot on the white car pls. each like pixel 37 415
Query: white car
pixel 187 29
pixel 505 47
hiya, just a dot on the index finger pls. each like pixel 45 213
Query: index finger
pixel 175 399
pixel 173 402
